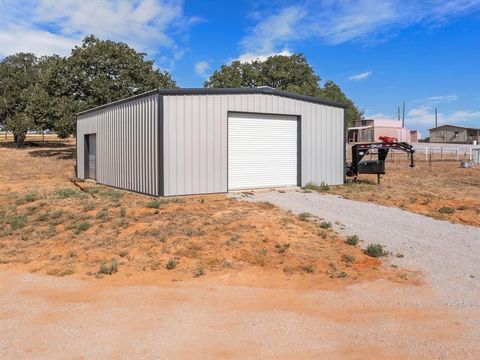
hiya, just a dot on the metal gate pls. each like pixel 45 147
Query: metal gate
pixel 91 156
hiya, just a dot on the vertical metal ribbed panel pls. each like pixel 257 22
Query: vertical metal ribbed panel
pixel 127 144
pixel 196 146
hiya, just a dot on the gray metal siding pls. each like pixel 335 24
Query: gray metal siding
pixel 127 144
pixel 195 139
pixel 447 135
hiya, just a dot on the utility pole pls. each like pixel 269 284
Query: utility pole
pixel 436 118
pixel 398 113
pixel 403 116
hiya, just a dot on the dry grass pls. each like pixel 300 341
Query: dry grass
pixel 424 190
pixel 51 225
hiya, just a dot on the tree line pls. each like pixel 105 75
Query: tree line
pixel 44 93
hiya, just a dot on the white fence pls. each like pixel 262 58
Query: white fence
pixel 429 153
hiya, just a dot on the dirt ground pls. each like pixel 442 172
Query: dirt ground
pixel 55 226
pixel 202 277
pixel 442 190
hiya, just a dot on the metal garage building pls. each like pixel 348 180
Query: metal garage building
pixel 198 141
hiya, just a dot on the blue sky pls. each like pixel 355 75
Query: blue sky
pixel 380 52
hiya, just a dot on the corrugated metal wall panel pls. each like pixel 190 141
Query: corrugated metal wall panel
pixel 195 139
pixel 127 144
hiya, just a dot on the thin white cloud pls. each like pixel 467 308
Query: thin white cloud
pixel 40 42
pixel 343 21
pixel 201 68
pixel 360 76
pixel 147 25
pixel 249 57
pixel 278 27
pixel 443 99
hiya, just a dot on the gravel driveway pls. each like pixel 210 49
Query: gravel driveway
pixel 448 254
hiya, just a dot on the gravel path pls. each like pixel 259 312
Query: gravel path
pixel 448 254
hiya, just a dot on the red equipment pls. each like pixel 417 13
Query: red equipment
pixel 387 139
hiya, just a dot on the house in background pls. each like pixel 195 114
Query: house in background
pixel 369 130
pixel 454 134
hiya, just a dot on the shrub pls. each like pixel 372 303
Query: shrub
pixel 123 253
pixel 348 258
pixel 52 230
pixel 81 227
pixel 154 204
pixel 375 250
pixel 462 207
pixel 89 206
pixel 325 225
pixel 123 212
pixel 65 193
pixel 446 210
pixel 281 248
pixel 171 264
pixel 352 240
pixel 323 234
pixel 304 216
pixel 108 268
pixel 308 268
pixel 102 214
pixel 18 222
pixel 30 197
pixel 324 187
pixel 199 272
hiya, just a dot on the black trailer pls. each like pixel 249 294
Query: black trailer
pixel 375 166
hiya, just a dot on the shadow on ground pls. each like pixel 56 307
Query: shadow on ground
pixel 64 154
pixel 47 149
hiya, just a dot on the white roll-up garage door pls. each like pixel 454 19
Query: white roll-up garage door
pixel 262 151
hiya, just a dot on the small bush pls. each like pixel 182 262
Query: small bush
pixel 65 193
pixel 43 217
pixel 324 187
pixel 342 274
pixel 88 207
pixel 446 210
pixel 102 214
pixel 323 234
pixel 199 272
pixel 325 225
pixel 310 186
pixel 348 258
pixel 352 240
pixel 18 222
pixel 123 253
pixel 462 207
pixel 52 230
pixel 108 268
pixel 30 197
pixel 171 264
pixel 154 204
pixel 56 214
pixel 375 250
pixel 81 227
pixel 61 272
pixel 308 268
pixel 123 212
pixel 304 216
pixel 281 248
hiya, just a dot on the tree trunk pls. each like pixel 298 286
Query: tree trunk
pixel 19 139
